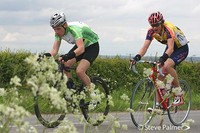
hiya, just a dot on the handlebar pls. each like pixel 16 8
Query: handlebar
pixel 154 63
pixel 62 67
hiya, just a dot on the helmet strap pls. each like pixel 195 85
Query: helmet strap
pixel 64 25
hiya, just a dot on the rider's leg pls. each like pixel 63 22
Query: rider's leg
pixel 69 63
pixel 81 72
pixel 86 59
pixel 161 78
pixel 169 67
pixel 70 83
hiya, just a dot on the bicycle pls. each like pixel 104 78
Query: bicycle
pixel 51 117
pixel 144 96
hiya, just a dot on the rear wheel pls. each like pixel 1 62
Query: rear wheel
pixel 96 107
pixel 143 96
pixel 178 114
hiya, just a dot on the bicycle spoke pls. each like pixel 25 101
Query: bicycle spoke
pixel 95 111
pixel 142 98
pixel 179 114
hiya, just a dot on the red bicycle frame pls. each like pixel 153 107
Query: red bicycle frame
pixel 160 92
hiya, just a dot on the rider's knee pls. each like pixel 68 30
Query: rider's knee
pixel 80 72
pixel 168 66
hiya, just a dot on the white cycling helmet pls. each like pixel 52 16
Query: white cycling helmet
pixel 57 19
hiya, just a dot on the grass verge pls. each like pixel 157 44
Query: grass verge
pixel 119 104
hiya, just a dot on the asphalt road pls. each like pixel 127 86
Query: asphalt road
pixel 123 118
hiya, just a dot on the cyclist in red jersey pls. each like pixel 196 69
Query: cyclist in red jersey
pixel 176 49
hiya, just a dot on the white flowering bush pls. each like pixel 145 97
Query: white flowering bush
pixel 44 81
pixel 166 84
pixel 147 72
pixel 125 97
pixel 44 75
pixel 110 101
pixel 11 113
pixel 66 127
pixel 115 124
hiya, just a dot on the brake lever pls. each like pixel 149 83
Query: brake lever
pixel 132 67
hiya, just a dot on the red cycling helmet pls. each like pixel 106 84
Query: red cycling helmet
pixel 155 18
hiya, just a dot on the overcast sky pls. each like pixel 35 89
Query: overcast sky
pixel 120 24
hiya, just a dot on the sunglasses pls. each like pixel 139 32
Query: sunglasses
pixel 155 25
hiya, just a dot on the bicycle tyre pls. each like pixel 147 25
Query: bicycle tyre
pixel 178 115
pixel 47 116
pixel 143 96
pixel 97 115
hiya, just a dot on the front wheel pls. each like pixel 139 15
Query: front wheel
pixel 179 114
pixel 95 107
pixel 47 115
pixel 143 96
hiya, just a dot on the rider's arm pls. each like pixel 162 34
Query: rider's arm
pixel 55 48
pixel 168 52
pixel 170 44
pixel 144 48
pixel 78 51
pixel 80 47
pixel 142 51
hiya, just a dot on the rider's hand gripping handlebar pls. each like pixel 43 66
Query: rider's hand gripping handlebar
pixel 133 68
pixel 132 65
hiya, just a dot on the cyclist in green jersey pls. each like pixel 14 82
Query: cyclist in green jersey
pixel 85 50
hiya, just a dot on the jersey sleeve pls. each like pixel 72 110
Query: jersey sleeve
pixel 169 33
pixel 57 38
pixel 149 35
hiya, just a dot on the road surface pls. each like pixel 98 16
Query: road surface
pixel 123 118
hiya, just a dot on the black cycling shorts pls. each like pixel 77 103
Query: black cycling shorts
pixel 179 54
pixel 90 54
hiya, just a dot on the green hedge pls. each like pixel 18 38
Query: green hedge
pixel 11 64
pixel 114 70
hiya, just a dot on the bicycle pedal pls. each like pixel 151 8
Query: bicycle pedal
pixel 178 104
pixel 149 110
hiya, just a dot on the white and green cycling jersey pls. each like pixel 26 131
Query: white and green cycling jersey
pixel 76 30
